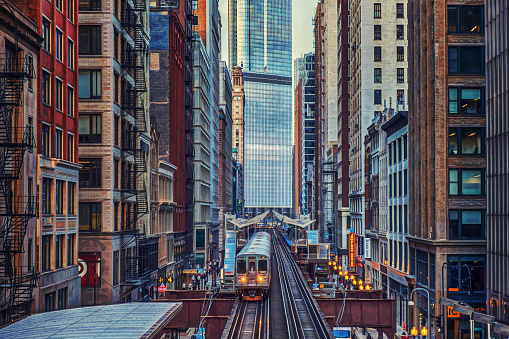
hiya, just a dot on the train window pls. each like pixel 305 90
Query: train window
pixel 241 266
pixel 252 266
pixel 262 266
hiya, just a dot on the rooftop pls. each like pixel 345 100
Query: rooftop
pixel 126 321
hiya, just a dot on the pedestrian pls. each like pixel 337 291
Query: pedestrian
pixel 184 285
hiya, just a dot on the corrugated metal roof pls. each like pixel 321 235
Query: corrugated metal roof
pixel 127 321
pixel 259 244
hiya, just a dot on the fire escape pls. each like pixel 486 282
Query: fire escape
pixel 133 113
pixel 16 282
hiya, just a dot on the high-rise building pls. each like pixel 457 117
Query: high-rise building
pixel 497 136
pixel 261 43
pixel 238 106
pixel 447 158
pixel 114 152
pixel 57 131
pixel 297 141
pixel 19 264
pixel 378 65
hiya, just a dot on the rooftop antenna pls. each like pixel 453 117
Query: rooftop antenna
pixel 390 102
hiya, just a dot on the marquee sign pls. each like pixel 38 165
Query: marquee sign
pixel 351 249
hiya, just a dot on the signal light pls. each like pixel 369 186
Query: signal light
pixel 260 278
pixel 243 279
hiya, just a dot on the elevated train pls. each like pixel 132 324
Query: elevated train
pixel 252 268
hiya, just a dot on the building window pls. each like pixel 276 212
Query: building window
pixel 115 268
pixel 116 174
pixel 465 100
pixel 466 182
pixel 46 195
pixel 46 88
pixel 378 97
pixel 71 249
pixel 49 302
pixel 46 35
pixel 59 100
pixel 70 10
pixel 422 268
pixel 45 138
pixel 466 224
pixel 400 95
pixel 200 239
pixel 90 128
pixel 116 42
pixel 59 195
pixel 400 53
pixel 466 141
pixel 30 253
pixel 466 60
pixel 400 32
pixel 378 10
pixel 46 253
pixel 90 84
pixel 117 131
pixel 90 172
pixel 70 147
pixel 466 273
pixel 377 53
pixel 71 198
pixel 62 299
pixel 400 75
pixel 70 101
pixel 70 54
pixel 58 144
pixel 378 75
pixel 377 32
pixel 465 19
pixel 89 5
pixel 59 48
pixel 59 251
pixel 90 216
pixel 89 40
pixel 400 11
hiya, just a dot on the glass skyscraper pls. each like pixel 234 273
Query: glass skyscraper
pixel 261 43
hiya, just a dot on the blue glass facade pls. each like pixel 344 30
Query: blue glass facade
pixel 262 45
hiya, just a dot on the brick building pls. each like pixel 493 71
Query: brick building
pixel 19 264
pixel 238 105
pixel 118 254
pixel 57 149
pixel 447 158
pixel 297 150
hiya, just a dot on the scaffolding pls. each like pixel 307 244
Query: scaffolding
pixel 134 190
pixel 16 281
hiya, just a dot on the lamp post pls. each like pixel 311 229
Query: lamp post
pixel 428 310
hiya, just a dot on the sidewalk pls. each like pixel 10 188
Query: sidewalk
pixel 371 331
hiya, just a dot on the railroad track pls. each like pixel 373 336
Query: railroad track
pixel 250 321
pixel 303 318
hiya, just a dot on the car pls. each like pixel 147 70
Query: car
pixel 342 332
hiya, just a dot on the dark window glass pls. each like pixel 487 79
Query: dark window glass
pixel 70 101
pixel 46 195
pixel 70 10
pixel 466 100
pixel 59 192
pixel 49 302
pixel 71 197
pixel 262 266
pixel 400 32
pixel 89 5
pixel 90 128
pixel 378 75
pixel 115 268
pixel 466 182
pixel 465 19
pixel 89 40
pixel 466 224
pixel 466 274
pixel 241 267
pixel 90 172
pixel 46 253
pixel 59 251
pixel 70 54
pixel 70 147
pixel 400 95
pixel 466 141
pixel 62 299
pixel 46 35
pixel 401 75
pixel 46 140
pixel 378 10
pixel 400 10
pixel 466 60
pixel 90 84
pixel 46 88
pixel 378 97
pixel 71 249
pixel 90 216
pixel 200 238
pixel 59 45
pixel 400 53
pixel 377 35
pixel 377 53
pixel 59 92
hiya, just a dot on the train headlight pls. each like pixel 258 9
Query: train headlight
pixel 243 279
pixel 260 278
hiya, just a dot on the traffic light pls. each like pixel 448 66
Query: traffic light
pixel 423 320
pixel 439 323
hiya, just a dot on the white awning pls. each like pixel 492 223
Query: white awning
pixel 241 223
pixel 302 223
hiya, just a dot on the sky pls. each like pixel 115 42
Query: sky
pixel 302 36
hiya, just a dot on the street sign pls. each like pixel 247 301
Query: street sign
pixel 161 288
pixel 170 279
pixel 451 313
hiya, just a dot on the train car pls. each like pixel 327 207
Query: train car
pixel 252 264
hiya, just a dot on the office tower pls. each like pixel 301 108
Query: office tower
pixel 343 156
pixel 238 106
pixel 114 146
pixel 297 142
pixel 261 43
pixel 497 136
pixel 447 158
pixel 170 105
pixel 18 163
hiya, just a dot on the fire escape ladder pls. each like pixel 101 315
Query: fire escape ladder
pixel 17 282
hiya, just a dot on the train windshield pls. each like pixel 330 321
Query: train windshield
pixel 262 266
pixel 252 266
pixel 241 266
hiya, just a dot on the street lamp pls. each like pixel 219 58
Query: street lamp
pixel 413 331
pixel 424 331
pixel 428 309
